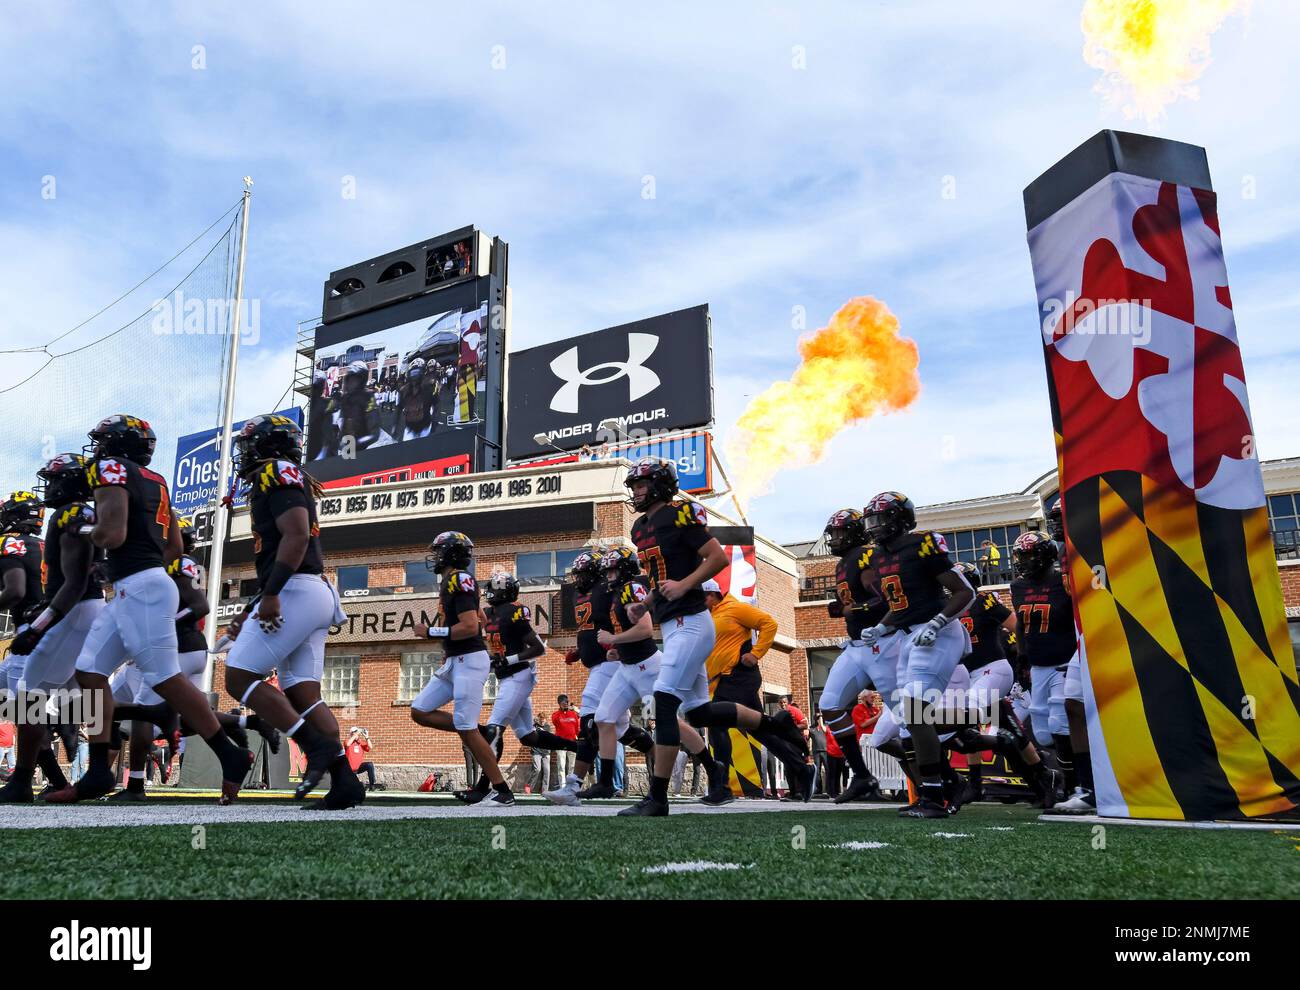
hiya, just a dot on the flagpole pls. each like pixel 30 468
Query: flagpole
pixel 220 516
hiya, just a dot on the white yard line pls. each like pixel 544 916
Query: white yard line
pixel 1159 823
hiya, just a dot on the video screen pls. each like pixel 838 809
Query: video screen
pixel 400 395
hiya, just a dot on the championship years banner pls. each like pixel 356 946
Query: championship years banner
pixel 1188 673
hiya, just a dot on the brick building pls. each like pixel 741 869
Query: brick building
pixel 533 521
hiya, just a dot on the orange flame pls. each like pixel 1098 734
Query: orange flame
pixel 852 369
pixel 1151 51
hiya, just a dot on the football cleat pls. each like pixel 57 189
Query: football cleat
pixel 718 796
pixel 272 737
pixel 125 796
pixel 972 793
pixel 596 791
pixel 566 794
pixel 16 793
pixel 860 789
pixel 925 808
pixel 471 795
pixel 647 807
pixel 500 799
pixel 1081 802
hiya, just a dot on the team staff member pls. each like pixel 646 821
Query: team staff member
pixel 678 554
pixel 565 721
pixel 733 669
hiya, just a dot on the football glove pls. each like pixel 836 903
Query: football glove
pixel 835 609
pixel 930 631
pixel 25 641
pixel 572 655
pixel 873 635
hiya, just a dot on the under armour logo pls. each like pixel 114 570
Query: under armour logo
pixel 641 380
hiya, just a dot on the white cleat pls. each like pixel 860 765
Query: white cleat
pixel 567 794
pixel 1081 802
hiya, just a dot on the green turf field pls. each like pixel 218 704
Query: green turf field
pixel 1001 852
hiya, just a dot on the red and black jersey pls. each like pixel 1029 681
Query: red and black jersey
pixel 24 552
pixel 148 514
pixel 592 612
pixel 669 547
pixel 508 627
pixel 636 590
pixel 277 487
pixel 862 608
pixel 189 637
pixel 1046 617
pixel 64 522
pixel 458 593
pixel 984 623
pixel 907 576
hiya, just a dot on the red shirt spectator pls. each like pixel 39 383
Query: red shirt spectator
pixel 358 747
pixel 6 735
pixel 862 714
pixel 788 705
pixel 833 746
pixel 566 722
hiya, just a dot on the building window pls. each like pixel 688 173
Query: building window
pixel 415 670
pixel 419 577
pixel 1284 521
pixel 248 587
pixel 968 545
pixel 355 577
pixel 545 567
pixel 819 666
pixel 340 682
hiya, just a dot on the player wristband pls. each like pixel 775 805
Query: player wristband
pixel 439 632
pixel 940 620
pixel 184 614
pixel 47 618
pixel 280 574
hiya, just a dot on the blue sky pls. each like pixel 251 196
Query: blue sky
pixel 775 186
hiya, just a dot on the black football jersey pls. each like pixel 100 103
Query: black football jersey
pixel 278 487
pixel 65 521
pixel 871 608
pixel 189 637
pixel 25 553
pixel 984 623
pixel 458 593
pixel 907 576
pixel 636 590
pixel 669 548
pixel 508 628
pixel 1046 620
pixel 148 516
pixel 592 612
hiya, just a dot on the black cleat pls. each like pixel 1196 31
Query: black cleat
pixel 319 760
pixel 88 788
pixel 124 796
pixel 647 807
pixel 500 799
pixel 344 792
pixel 925 808
pixel 718 796
pixel 860 788
pixel 972 793
pixel 470 795
pixel 596 791
pixel 1047 786
pixel 237 734
pixel 16 793
pixel 272 736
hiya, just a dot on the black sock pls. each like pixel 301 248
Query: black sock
pixel 1083 768
pixel 135 784
pixel 49 765
pixel 22 776
pixel 98 760
pixel 659 789
pixel 501 788
pixel 1065 759
pixel 606 778
pixel 852 752
pixel 482 784
pixel 975 773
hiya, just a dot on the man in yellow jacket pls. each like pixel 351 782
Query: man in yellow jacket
pixel 733 664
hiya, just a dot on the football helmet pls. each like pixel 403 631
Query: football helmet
pixel 662 476
pixel 503 588
pixel 264 438
pixel 63 480
pixel 21 512
pixel 970 572
pixel 121 435
pixel 187 533
pixel 845 531
pixel 449 551
pixel 1033 554
pixel 1055 523
pixel 622 562
pixel 584 572
pixel 889 515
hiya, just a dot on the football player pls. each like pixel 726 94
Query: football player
pixel 1045 634
pixel 630 640
pixel 465 670
pixel 21 556
pixel 514 647
pixel 989 694
pixel 858 665
pixel 924 592
pixel 678 554
pixel 295 608
pixel 592 608
pixel 135 526
pixel 1083 801
pixel 354 411
pixel 416 399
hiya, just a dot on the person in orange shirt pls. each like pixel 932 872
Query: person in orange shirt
pixel 733 665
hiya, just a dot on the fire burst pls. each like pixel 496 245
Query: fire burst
pixel 851 369
pixel 1151 51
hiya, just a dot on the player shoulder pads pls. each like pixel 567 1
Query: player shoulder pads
pixel 932 543
pixel 690 514
pixel 106 471
pixel 634 591
pixel 521 614
pixel 13 546
pixel 461 581
pixel 75 515
pixel 279 474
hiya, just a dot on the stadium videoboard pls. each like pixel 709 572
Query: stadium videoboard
pixel 651 375
pixel 411 388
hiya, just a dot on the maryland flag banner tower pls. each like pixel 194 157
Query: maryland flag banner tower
pixel 1189 677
